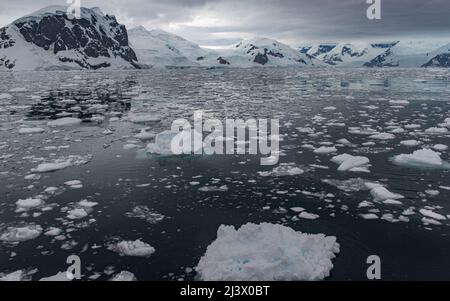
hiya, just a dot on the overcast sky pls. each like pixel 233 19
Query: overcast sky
pixel 221 22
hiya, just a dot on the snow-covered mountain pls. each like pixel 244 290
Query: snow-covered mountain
pixel 260 52
pixel 440 58
pixel 387 54
pixel 162 49
pixel 49 40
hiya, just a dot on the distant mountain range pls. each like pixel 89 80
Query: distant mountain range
pixel 49 40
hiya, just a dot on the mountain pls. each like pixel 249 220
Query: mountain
pixel 49 40
pixel 440 58
pixel 386 54
pixel 346 54
pixel 162 49
pixel 260 52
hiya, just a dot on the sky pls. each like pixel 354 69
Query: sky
pixel 295 22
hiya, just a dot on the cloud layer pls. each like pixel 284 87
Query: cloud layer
pixel 213 22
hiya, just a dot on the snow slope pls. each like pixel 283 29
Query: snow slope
pixel 48 40
pixel 162 49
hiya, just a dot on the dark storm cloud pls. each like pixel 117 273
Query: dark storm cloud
pixel 219 21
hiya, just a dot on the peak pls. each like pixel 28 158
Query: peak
pixel 139 28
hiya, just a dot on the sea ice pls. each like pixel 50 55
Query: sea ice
pixel 31 130
pixel 283 170
pixel 426 158
pixel 62 163
pixel 267 252
pixel 124 276
pixel 20 234
pixel 351 163
pixel 66 121
pixel 135 248
pixel 325 150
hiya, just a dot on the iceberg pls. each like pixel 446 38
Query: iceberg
pixel 267 252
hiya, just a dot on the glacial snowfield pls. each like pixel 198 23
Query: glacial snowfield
pixel 364 170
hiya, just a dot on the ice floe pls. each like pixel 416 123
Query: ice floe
pixel 267 252
pixel 135 248
pixel 351 163
pixel 66 121
pixel 423 158
pixel 20 234
pixel 62 163
pixel 283 170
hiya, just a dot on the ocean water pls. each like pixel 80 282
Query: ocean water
pixel 176 204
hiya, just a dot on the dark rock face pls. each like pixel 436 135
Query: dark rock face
pixel 323 49
pixel 441 60
pixel 261 58
pixel 222 61
pixel 6 40
pixel 85 36
pixel 381 61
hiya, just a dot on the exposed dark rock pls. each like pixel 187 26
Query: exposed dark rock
pixel 441 60
pixel 381 61
pixel 85 36
pixel 223 61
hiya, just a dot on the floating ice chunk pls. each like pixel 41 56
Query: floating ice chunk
pixel 369 216
pixel 436 131
pixel 129 146
pixel 267 252
pixel 32 177
pixel 307 215
pixel 135 248
pixel 19 234
pixel 5 96
pixel 31 130
pixel 330 108
pixel 52 231
pixel 74 184
pixel 77 213
pixel 410 143
pixel 325 150
pixel 412 126
pixel 283 170
pixel 213 188
pixel 59 277
pixel 344 142
pixel 144 117
pixel 297 209
pixel 16 276
pixel 29 203
pixel 66 121
pixel 62 163
pixel 426 158
pixel 380 193
pixel 399 102
pixel 87 204
pixel 166 140
pixel 433 215
pixel 350 185
pixel 446 123
pixel 440 147
pixel 351 163
pixel 124 276
pixel 144 135
pixel 392 202
pixel 430 221
pixel 382 136
pixel 143 212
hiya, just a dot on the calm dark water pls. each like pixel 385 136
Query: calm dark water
pixel 333 104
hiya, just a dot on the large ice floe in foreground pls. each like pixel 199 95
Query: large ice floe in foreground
pixel 423 158
pixel 267 252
